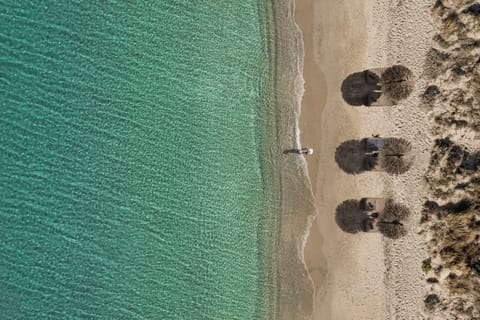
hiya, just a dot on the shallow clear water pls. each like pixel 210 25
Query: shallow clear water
pixel 131 182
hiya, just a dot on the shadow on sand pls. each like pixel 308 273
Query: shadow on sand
pixel 351 217
pixel 361 88
pixel 351 157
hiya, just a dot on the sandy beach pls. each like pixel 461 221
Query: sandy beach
pixel 362 276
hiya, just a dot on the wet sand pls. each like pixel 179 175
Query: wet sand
pixel 335 46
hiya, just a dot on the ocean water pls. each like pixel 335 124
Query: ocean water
pixel 134 180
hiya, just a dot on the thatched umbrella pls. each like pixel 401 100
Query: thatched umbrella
pixel 392 229
pixel 350 217
pixel 397 82
pixel 394 211
pixel 390 221
pixel 396 156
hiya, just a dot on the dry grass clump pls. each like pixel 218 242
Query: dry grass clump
pixel 453 106
pixel 452 169
pixel 457 235
pixel 452 25
pixel 453 109
pixel 456 18
pixel 431 301
pixel 453 100
pixel 455 232
pixel 436 63
pixel 453 66
pixel 475 85
pixel 454 228
pixel 430 94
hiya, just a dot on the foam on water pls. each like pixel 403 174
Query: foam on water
pixel 294 288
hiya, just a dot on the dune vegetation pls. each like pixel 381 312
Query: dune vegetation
pixel 451 217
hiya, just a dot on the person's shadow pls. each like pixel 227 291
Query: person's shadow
pixel 287 151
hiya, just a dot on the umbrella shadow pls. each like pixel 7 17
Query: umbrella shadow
pixel 351 218
pixel 361 88
pixel 351 156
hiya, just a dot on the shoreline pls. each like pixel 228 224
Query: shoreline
pixel 326 122
pixel 292 288
pixel 329 57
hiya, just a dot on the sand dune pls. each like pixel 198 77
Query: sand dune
pixel 451 216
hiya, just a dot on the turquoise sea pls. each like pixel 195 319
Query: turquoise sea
pixel 134 156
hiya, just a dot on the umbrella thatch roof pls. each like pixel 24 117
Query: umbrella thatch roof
pixel 390 222
pixel 397 82
pixel 350 217
pixel 396 146
pixel 392 230
pixel 394 211
pixel 396 156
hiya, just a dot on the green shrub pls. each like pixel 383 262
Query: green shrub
pixel 427 265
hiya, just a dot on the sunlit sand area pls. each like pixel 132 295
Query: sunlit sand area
pixel 392 108
pixel 240 160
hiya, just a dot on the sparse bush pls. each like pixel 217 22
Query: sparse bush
pixel 427 265
pixel 431 301
pixel 454 227
pixel 435 63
